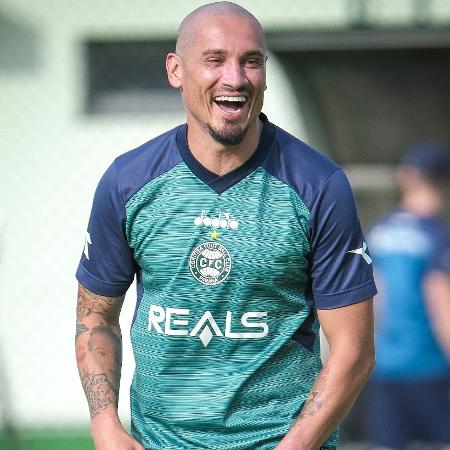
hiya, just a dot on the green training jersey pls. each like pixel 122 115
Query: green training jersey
pixel 230 271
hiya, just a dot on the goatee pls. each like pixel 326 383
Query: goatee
pixel 232 135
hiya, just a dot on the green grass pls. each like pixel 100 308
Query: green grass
pixel 48 440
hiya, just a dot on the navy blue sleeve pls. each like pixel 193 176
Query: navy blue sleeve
pixel 107 266
pixel 341 268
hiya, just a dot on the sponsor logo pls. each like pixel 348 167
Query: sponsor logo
pixel 210 263
pixel 223 220
pixel 178 322
pixel 87 241
pixel 362 251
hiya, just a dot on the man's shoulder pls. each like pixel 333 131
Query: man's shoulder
pixel 301 157
pixel 141 165
pixel 297 164
pixel 151 150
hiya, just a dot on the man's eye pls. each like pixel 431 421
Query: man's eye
pixel 254 62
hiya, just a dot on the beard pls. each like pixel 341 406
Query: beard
pixel 229 134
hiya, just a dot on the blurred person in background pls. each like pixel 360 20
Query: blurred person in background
pixel 409 390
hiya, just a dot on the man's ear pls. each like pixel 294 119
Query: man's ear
pixel 174 70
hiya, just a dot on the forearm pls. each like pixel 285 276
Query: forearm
pixel 349 332
pixel 98 346
pixel 330 399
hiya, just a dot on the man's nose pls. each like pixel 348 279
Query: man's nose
pixel 234 74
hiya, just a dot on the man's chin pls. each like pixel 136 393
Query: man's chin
pixel 228 135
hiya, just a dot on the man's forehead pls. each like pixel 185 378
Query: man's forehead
pixel 207 25
pixel 224 32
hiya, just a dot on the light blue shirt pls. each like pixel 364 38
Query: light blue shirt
pixel 405 248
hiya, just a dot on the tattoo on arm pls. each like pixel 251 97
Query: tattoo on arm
pixel 81 328
pixel 312 405
pixel 106 347
pixel 314 402
pixel 99 354
pixel 99 392
pixel 90 303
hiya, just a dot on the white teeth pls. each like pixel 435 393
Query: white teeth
pixel 224 98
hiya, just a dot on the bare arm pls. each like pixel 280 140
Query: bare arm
pixel 98 345
pixel 437 295
pixel 349 331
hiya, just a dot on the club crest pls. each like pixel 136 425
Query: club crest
pixel 210 263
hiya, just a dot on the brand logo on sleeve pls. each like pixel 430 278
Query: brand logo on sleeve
pixel 87 241
pixel 362 251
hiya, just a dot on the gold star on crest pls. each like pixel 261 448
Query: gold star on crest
pixel 215 234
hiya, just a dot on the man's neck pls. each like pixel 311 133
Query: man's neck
pixel 218 158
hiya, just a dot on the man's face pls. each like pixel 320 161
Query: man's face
pixel 223 76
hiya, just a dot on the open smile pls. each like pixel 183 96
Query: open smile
pixel 230 104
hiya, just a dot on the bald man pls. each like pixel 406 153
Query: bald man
pixel 242 240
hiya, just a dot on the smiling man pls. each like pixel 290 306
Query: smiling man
pixel 242 240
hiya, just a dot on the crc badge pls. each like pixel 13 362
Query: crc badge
pixel 210 263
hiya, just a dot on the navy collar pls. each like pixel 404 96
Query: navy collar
pixel 220 183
